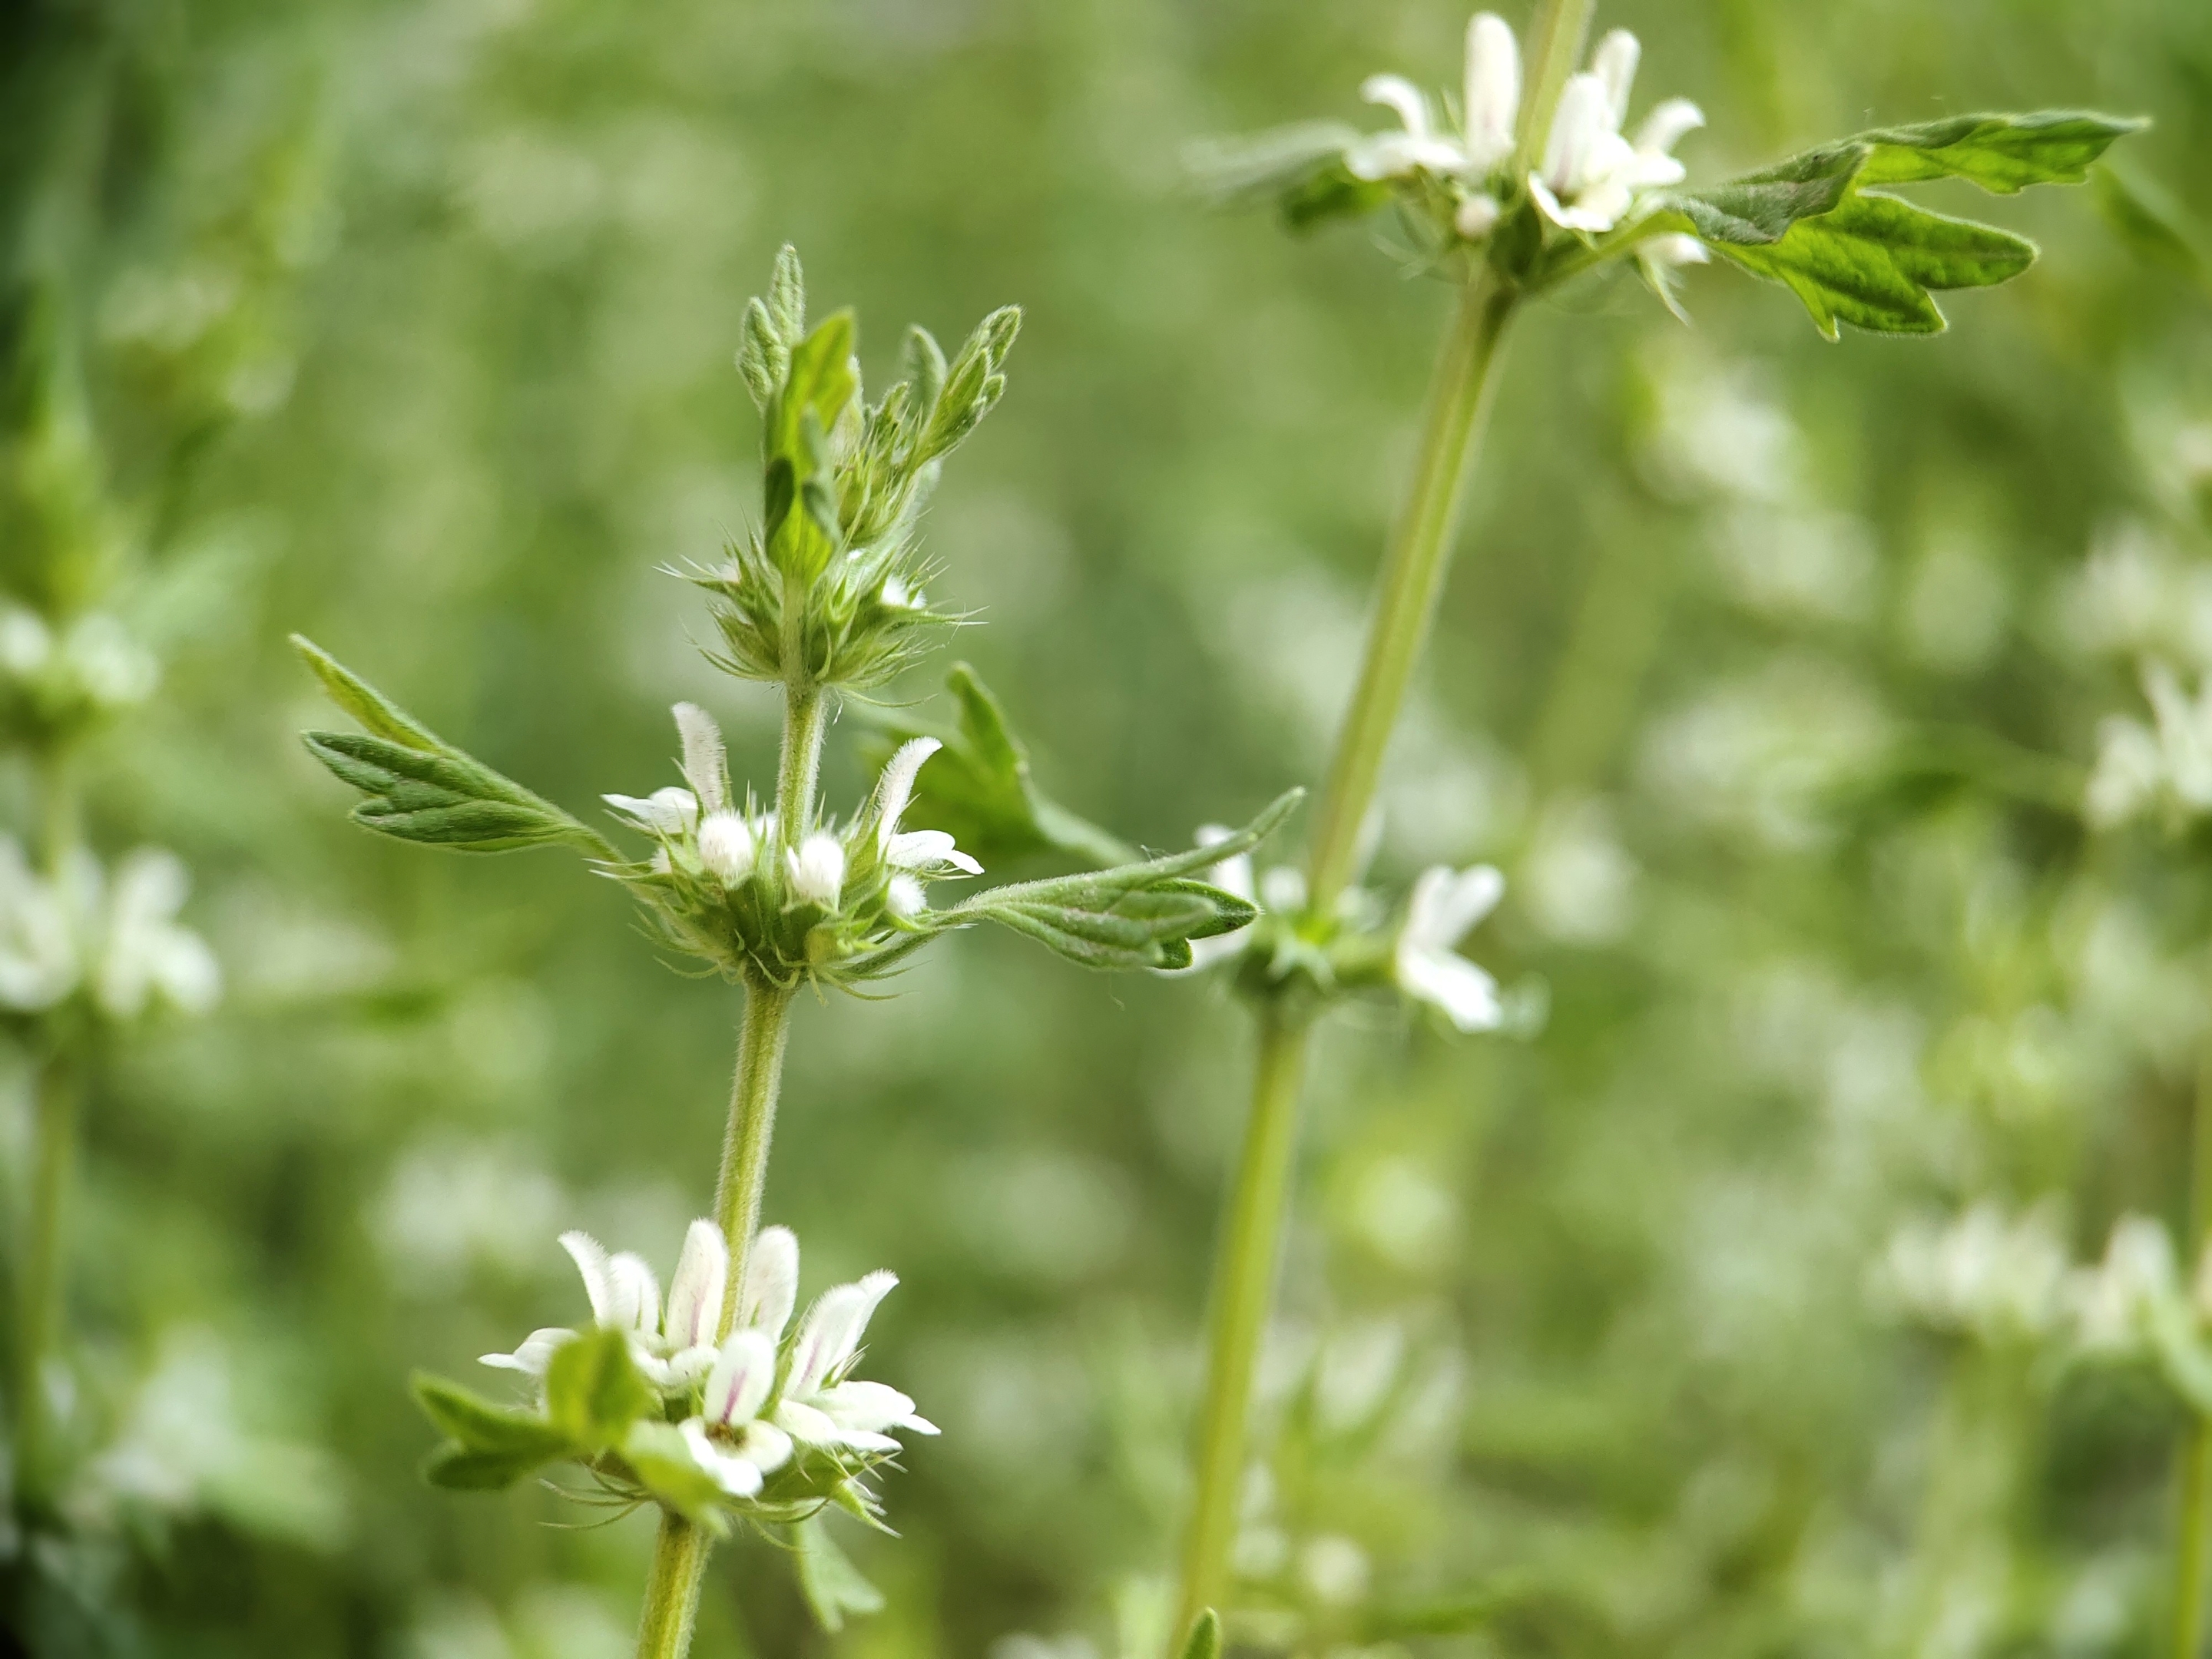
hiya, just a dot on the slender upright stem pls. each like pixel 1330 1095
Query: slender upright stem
pixel 1412 577
pixel 1249 1248
pixel 2193 1528
pixel 1554 46
pixel 40 1292
pixel 679 1552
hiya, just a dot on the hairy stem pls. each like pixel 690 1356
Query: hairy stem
pixel 1554 45
pixel 679 1552
pixel 1250 1247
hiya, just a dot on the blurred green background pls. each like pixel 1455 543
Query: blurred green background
pixel 1768 671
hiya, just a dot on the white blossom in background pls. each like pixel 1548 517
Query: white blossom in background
pixel 1983 1273
pixel 1578 882
pixel 117 940
pixel 2117 1303
pixel 2169 763
pixel 1445 906
pixel 1591 176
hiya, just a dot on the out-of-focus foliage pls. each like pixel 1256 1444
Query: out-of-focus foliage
pixel 1771 673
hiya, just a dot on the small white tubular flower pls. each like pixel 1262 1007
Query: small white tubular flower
pixel 820 1405
pixel 535 1354
pixel 817 869
pixel 930 852
pixel 39 961
pixel 623 1293
pixel 1233 875
pixel 1444 906
pixel 728 1438
pixel 147 953
pixel 705 764
pixel 903 897
pixel 771 1287
pixel 1591 176
pixel 671 1355
pixel 670 811
pixel 726 847
pixel 1395 154
pixel 1492 91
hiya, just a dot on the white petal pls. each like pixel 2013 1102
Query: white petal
pixel 1492 91
pixel 918 1423
pixel 743 1376
pixel 833 1328
pixel 802 1422
pixel 1614 64
pixel 1447 904
pixel 704 758
pixel 928 849
pixel 668 811
pixel 688 1367
pixel 590 1259
pixel 896 787
pixel 1402 95
pixel 185 971
pixel 533 1355
pixel 765 1446
pixel 1234 873
pixel 1665 126
pixel 869 1407
pixel 1679 249
pixel 695 1294
pixel 1576 126
pixel 1467 995
pixel 633 1295
pixel 771 1287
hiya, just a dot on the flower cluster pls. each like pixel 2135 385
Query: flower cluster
pixel 113 940
pixel 729 886
pixel 1987 1275
pixel 1350 950
pixel 768 1422
pixel 2165 767
pixel 55 683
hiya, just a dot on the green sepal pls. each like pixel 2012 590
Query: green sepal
pixel 2002 154
pixel 1134 915
pixel 833 1586
pixel 1872 262
pixel 594 1392
pixel 663 1464
pixel 1204 1641
pixel 423 789
pixel 978 787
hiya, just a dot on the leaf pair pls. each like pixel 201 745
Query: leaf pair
pixel 420 787
pixel 1875 260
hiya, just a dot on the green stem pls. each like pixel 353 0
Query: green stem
pixel 2191 1529
pixel 1243 1292
pixel 1250 1245
pixel 1413 576
pixel 1554 47
pixel 679 1551
pixel 39 1295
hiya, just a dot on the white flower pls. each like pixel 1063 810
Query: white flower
pixel 930 852
pixel 817 867
pixel 673 1351
pixel 821 1404
pixel 903 897
pixel 896 596
pixel 1591 175
pixel 726 847
pixel 38 962
pixel 2135 765
pixel 1233 875
pixel 670 811
pixel 771 1287
pixel 1984 1272
pixel 147 953
pixel 112 668
pixel 1444 906
pixel 705 761
pixel 26 644
pixel 1491 89
pixel 2115 1302
pixel 727 1438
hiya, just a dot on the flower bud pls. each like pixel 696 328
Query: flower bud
pixel 817 869
pixel 903 897
pixel 725 847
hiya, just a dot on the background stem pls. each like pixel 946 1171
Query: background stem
pixel 39 1293
pixel 2190 1529
pixel 1250 1246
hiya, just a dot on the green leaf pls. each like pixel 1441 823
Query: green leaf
pixel 978 787
pixel 1204 1640
pixel 592 1391
pixel 457 1468
pixel 1760 207
pixel 2002 154
pixel 1134 915
pixel 833 1585
pixel 663 1464
pixel 423 789
pixel 484 1425
pixel 821 381
pixel 1872 261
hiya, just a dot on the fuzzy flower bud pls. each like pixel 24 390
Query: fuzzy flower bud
pixel 817 867
pixel 726 847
